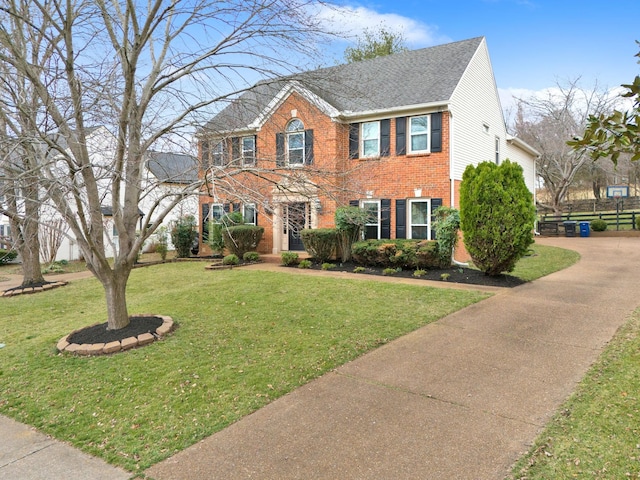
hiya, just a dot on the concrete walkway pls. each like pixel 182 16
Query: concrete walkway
pixel 462 398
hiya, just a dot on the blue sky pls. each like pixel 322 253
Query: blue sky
pixel 532 43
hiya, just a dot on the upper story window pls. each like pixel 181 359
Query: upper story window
pixel 249 150
pixel 419 134
pixel 295 142
pixel 370 139
pixel 217 154
pixel 497 150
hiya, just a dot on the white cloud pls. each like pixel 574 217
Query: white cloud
pixel 349 22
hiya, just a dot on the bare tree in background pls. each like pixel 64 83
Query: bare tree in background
pixel 146 70
pixel 548 123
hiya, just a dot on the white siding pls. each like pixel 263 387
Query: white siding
pixel 477 120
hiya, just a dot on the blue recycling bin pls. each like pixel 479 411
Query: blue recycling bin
pixel 585 229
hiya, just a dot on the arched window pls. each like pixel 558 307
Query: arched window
pixel 295 142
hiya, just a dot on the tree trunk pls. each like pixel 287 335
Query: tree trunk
pixel 115 292
pixel 30 252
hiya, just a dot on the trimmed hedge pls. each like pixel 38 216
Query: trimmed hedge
pixel 406 254
pixel 320 243
pixel 7 256
pixel 598 225
pixel 241 239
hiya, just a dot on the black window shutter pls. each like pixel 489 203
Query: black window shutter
pixel 205 222
pixel 255 150
pixel 308 147
pixel 435 203
pixel 226 208
pixel 385 139
pixel 236 207
pixel 436 132
pixel 235 151
pixel 401 219
pixel 354 140
pixel 385 218
pixel 401 136
pixel 354 203
pixel 280 158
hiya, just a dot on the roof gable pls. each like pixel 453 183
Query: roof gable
pixel 416 77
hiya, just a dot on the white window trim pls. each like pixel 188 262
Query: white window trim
pixel 290 133
pixel 248 160
pixel 410 135
pixel 379 222
pixel 410 224
pixel 244 213
pixel 362 139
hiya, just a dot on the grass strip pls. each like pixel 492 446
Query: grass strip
pixel 596 433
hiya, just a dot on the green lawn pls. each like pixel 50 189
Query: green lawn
pixel 544 260
pixel 244 339
pixel 596 433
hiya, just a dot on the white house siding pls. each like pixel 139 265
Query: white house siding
pixel 519 155
pixel 477 120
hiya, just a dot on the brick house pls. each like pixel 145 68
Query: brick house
pixel 392 135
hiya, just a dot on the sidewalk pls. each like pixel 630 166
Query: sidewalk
pixel 462 398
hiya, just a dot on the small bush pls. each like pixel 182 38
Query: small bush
pixel 328 266
pixel 598 225
pixel 7 256
pixel 405 254
pixel 183 235
pixel 251 257
pixel 231 259
pixel 638 223
pixel 419 273
pixel 359 270
pixel 289 258
pixel 389 271
pixel 444 276
pixel 241 239
pixel 305 264
pixel 320 243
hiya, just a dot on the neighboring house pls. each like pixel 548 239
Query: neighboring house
pixel 164 173
pixel 392 135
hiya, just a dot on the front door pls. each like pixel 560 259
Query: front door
pixel 296 222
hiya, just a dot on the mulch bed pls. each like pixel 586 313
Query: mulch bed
pixel 100 334
pixel 456 275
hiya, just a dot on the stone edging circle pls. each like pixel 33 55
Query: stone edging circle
pixel 118 345
pixel 18 291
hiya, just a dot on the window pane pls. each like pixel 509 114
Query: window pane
pixel 372 210
pixel 419 213
pixel 296 140
pixel 371 232
pixel 250 214
pixel 216 212
pixel 418 142
pixel 370 130
pixel 419 125
pixel 419 232
pixel 370 148
pixel 295 126
pixel 296 156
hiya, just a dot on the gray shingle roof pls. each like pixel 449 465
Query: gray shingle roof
pixel 173 167
pixel 414 77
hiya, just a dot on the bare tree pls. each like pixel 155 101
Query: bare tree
pixel 548 123
pixel 146 70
